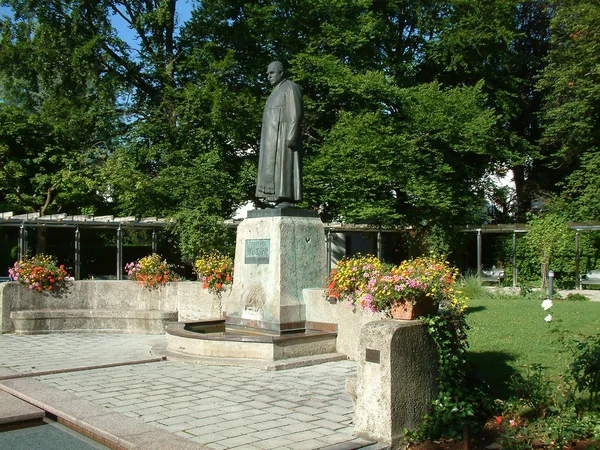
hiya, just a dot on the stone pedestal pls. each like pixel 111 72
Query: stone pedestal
pixel 396 379
pixel 279 252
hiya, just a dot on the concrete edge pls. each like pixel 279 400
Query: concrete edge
pixel 115 430
pixel 161 350
pixel 15 410
pixel 13 375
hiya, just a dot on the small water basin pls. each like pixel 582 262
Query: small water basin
pixel 223 329
pixel 218 339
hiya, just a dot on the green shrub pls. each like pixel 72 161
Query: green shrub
pixel 577 298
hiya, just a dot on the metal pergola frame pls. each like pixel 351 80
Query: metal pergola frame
pixel 35 220
pixel 497 229
pixel 581 226
pixel 119 224
pixel 338 227
pixel 521 228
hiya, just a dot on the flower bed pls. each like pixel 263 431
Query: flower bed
pixel 151 271
pixel 215 271
pixel 364 281
pixel 41 273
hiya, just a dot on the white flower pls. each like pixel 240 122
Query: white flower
pixel 548 318
pixel 547 304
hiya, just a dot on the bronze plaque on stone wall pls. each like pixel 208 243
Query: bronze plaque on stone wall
pixel 257 251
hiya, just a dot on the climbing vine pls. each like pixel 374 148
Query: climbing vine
pixel 461 398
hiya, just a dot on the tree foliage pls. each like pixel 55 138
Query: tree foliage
pixel 57 114
pixel 410 107
pixel 571 113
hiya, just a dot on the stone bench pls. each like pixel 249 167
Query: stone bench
pixel 592 277
pixel 42 321
pixel 105 306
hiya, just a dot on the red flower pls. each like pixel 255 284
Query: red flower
pixel 498 420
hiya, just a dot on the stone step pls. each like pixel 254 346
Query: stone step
pixel 16 413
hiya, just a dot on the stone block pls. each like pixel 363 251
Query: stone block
pixel 276 258
pixel 396 378
pixel 348 319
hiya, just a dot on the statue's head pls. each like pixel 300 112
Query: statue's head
pixel 275 73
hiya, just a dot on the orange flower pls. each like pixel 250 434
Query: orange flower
pixel 219 286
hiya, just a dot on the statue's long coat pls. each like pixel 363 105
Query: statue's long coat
pixel 280 159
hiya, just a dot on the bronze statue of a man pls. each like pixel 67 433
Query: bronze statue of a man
pixel 280 158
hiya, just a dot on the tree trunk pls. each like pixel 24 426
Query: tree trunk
pixel 41 244
pixel 521 192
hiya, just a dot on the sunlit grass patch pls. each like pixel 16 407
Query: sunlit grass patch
pixel 508 333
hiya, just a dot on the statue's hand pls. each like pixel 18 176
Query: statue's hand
pixel 291 144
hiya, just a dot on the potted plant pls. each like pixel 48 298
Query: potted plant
pixel 348 281
pixel 215 271
pixel 41 273
pixel 151 271
pixel 410 290
pixel 413 289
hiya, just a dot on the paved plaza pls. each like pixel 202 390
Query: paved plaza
pixel 218 407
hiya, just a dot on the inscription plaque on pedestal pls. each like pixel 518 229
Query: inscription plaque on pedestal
pixel 257 251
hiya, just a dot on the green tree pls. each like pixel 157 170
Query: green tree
pixel 57 117
pixel 372 149
pixel 419 166
pixel 550 242
pixel 170 143
pixel 571 87
pixel 502 43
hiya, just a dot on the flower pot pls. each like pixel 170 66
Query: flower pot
pixel 408 310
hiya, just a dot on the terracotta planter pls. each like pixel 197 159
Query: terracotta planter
pixel 409 311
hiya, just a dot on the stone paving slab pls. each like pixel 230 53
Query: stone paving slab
pixel 36 353
pixel 216 407
pixel 104 426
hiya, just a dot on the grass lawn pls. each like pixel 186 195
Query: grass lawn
pixel 508 333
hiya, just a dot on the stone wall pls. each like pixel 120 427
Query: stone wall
pixel 188 298
pixel 349 319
